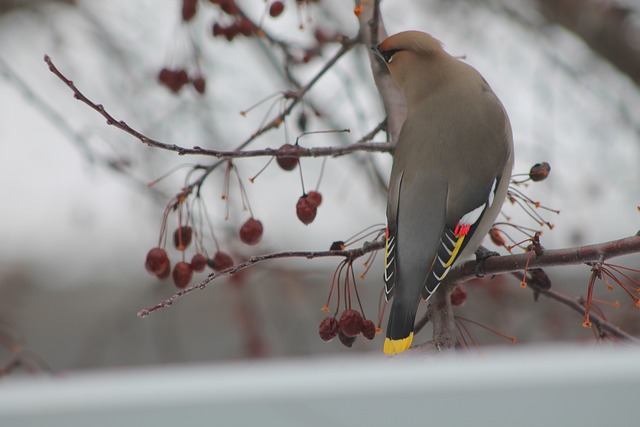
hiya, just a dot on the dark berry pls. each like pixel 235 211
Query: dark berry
pixel 458 296
pixel 306 210
pixel 315 198
pixel 182 274
pixel 276 9
pixel 251 231
pixel 496 237
pixel 290 161
pixel 337 246
pixel 345 340
pixel 368 329
pixel 539 171
pixel 220 261
pixel 165 273
pixel 199 84
pixel 182 237
pixel 198 262
pixel 351 323
pixel 189 8
pixel 157 261
pixel 328 329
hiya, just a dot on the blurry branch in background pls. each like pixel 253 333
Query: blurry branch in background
pixel 611 30
pixel 116 164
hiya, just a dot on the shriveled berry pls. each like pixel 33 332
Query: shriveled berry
pixel 198 262
pixel 220 261
pixel 337 246
pixel 306 210
pixel 315 198
pixel 345 340
pixel 182 274
pixel 157 261
pixel 368 329
pixel 328 329
pixel 539 171
pixel 496 237
pixel 351 323
pixel 540 279
pixel 199 84
pixel 182 237
pixel 276 9
pixel 458 296
pixel 289 160
pixel 251 231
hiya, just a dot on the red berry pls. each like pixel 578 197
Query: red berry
pixel 276 9
pixel 246 27
pixel 539 171
pixel 182 237
pixel 288 162
pixel 188 9
pixel 368 329
pixel 182 274
pixel 351 323
pixel 182 78
pixel 229 7
pixel 218 30
pixel 157 261
pixel 345 340
pixel 251 232
pixel 198 262
pixel 306 210
pixel 315 198
pixel 165 273
pixel 221 261
pixel 200 84
pixel 328 329
pixel 496 237
pixel 165 76
pixel 458 296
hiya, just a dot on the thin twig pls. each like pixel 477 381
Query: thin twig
pixel 351 254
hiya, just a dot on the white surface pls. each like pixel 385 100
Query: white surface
pixel 579 386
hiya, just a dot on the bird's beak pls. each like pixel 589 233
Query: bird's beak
pixel 376 51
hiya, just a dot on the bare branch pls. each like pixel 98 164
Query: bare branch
pixel 294 97
pixel 598 321
pixel 549 258
pixel 348 254
pixel 372 32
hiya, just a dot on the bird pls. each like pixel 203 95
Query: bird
pixel 451 170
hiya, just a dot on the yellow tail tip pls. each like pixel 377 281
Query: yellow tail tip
pixel 392 347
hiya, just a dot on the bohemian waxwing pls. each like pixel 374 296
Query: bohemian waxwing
pixel 451 169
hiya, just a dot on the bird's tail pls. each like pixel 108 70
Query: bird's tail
pixel 400 327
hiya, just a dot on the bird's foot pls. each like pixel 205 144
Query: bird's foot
pixel 482 254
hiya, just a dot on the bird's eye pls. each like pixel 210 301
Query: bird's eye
pixel 388 55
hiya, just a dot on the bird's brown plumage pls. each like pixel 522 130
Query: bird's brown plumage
pixel 450 174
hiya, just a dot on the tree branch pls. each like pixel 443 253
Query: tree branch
pixel 351 254
pixel 549 258
pixel 372 32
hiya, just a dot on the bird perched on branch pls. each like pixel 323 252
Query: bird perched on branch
pixel 451 169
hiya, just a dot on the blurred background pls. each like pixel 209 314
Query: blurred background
pixel 78 216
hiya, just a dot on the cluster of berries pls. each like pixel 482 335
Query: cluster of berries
pixel 347 329
pixel 175 79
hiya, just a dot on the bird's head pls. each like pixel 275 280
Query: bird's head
pixel 413 58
